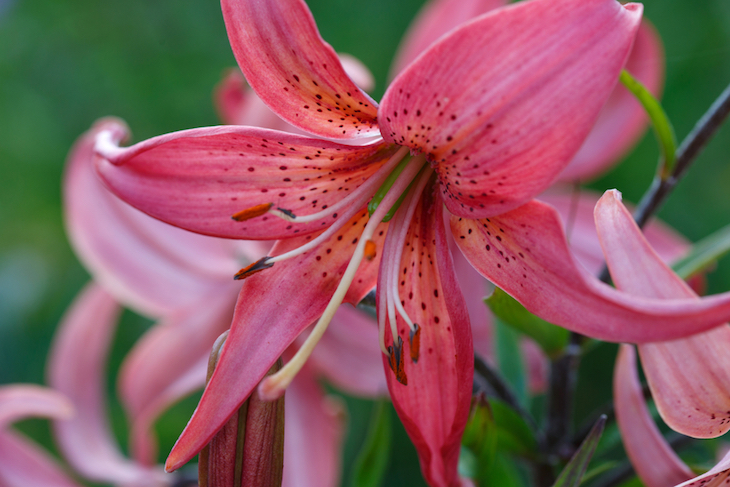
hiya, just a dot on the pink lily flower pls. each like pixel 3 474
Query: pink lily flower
pixel 25 464
pixel 490 118
pixel 136 257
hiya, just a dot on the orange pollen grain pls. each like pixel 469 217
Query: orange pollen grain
pixel 252 212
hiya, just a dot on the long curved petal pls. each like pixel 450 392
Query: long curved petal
pixel 622 120
pixel 76 369
pixel 133 256
pixel 272 310
pixel 294 71
pixel 689 378
pixel 317 421
pixel 24 464
pixel 435 19
pixel 503 103
pixel 197 179
pixel 348 355
pixel 20 401
pixel 653 459
pixel 169 362
pixel 434 405
pixel 525 253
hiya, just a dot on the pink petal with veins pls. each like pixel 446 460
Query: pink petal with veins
pixel 168 363
pixel 348 355
pixel 274 307
pixel 622 120
pixel 295 72
pixel 132 255
pixel 435 19
pixel 653 459
pixel 197 179
pixel 434 405
pixel 689 378
pixel 503 103
pixel 315 426
pixel 528 256
pixel 24 464
pixel 717 476
pixel 76 369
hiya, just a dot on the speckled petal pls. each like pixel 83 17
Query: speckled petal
pixel 296 73
pixel 197 179
pixel 434 406
pixel 622 120
pixel 435 19
pixel 717 476
pixel 132 255
pixel 274 307
pixel 689 378
pixel 503 103
pixel 525 253
pixel 652 457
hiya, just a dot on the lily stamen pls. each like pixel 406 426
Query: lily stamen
pixel 273 386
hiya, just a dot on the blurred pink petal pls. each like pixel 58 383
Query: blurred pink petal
pixel 315 425
pixel 622 120
pixel 21 401
pixel 653 459
pixel 24 464
pixel 76 368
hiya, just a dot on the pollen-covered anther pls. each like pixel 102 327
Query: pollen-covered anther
pixel 252 212
pixel 252 269
pixel 396 361
pixel 415 342
pixel 370 250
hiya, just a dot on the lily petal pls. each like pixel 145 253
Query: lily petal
pixel 22 401
pixel 317 421
pixel 689 378
pixel 434 406
pixel 622 120
pixel 24 464
pixel 197 179
pixel 525 253
pixel 168 363
pixel 274 307
pixel 435 19
pixel 503 103
pixel 654 461
pixel 348 355
pixel 119 245
pixel 294 71
pixel 76 369
pixel 717 476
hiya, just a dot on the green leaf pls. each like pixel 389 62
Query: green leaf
pixel 704 253
pixel 509 359
pixel 551 338
pixel 572 474
pixel 479 440
pixel 514 435
pixel 659 121
pixel 371 462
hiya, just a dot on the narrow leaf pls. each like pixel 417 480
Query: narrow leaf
pixel 573 472
pixel 659 121
pixel 704 253
pixel 552 339
pixel 372 460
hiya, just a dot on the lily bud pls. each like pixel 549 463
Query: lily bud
pixel 249 449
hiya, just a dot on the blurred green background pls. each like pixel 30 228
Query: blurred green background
pixel 65 63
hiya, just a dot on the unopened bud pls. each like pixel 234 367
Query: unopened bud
pixel 249 449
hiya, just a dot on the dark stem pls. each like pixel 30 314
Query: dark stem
pixel 563 378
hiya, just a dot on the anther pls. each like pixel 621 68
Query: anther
pixel 288 213
pixel 252 212
pixel 252 269
pixel 415 342
pixel 370 250
pixel 396 361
